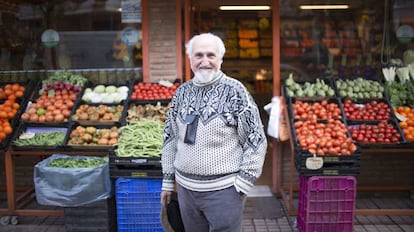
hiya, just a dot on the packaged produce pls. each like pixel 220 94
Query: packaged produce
pixel 69 181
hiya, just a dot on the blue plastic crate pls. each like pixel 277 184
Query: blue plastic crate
pixel 138 204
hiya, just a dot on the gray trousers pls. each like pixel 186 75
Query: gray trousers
pixel 214 211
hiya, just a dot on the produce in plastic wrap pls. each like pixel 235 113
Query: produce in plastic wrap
pixel 71 186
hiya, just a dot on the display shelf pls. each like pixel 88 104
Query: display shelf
pixel 286 189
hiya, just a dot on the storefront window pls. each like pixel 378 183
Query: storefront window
pixel 346 42
pixel 70 34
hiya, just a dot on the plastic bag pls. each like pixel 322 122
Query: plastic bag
pixel 283 126
pixel 70 187
pixel 277 127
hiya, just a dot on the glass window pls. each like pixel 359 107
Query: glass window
pixel 346 42
pixel 71 34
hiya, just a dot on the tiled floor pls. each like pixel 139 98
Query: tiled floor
pixel 263 213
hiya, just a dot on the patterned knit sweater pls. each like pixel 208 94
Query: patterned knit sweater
pixel 230 144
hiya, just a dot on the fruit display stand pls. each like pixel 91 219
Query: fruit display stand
pixel 287 186
pixel 19 197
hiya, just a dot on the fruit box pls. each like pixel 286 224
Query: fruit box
pixel 150 109
pixel 92 144
pixel 332 103
pixel 358 110
pixel 28 89
pixel 359 88
pixel 372 139
pixel 300 146
pixel 325 89
pixel 99 114
pixel 326 203
pixel 106 93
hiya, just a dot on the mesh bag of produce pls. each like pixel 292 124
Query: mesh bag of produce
pixel 71 181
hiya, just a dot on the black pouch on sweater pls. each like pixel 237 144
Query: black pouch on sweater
pixel 191 130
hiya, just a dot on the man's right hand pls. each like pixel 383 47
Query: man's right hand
pixel 166 197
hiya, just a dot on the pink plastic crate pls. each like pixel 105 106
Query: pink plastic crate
pixel 326 203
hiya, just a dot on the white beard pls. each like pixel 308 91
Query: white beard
pixel 204 76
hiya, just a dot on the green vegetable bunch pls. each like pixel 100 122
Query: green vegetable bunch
pixel 400 94
pixel 140 139
pixel 63 80
pixel 42 139
pixel 359 88
pixel 89 162
pixel 317 89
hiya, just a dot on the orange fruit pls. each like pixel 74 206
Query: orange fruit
pixel 2 135
pixel 3 114
pixel 15 105
pixel 11 114
pixel 8 130
pixel 8 92
pixel 403 125
pixel 18 93
pixel 15 87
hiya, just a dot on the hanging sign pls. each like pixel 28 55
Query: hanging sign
pixel 50 38
pixel 131 11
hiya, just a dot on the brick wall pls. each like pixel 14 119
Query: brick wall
pixel 162 40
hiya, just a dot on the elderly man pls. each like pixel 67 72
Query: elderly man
pixel 214 143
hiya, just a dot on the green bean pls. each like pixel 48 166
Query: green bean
pixel 140 139
pixel 42 139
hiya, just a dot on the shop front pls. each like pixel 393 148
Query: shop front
pixel 133 43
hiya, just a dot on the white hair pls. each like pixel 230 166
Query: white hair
pixel 219 41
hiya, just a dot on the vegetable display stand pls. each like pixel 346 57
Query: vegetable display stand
pixel 17 202
pixel 326 203
pixel 283 183
pixel 138 204
pixel 96 217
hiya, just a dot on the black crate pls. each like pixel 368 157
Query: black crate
pixel 333 165
pixel 26 127
pixel 401 143
pixel 362 103
pixel 352 81
pixel 99 121
pixel 303 85
pixel 146 111
pixel 90 146
pixel 136 167
pixel 330 100
pixel 95 217
pixel 296 142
